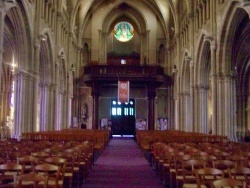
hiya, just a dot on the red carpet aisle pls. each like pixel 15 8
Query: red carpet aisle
pixel 122 165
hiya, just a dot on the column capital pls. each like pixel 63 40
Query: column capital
pixel 212 42
pixel 213 75
pixel 6 5
pixel 187 59
pixel 184 93
pixel 51 87
pixel 208 38
pixel 61 56
pixel 228 75
pixel 37 43
pixel 245 3
pixel 202 87
pixel 65 92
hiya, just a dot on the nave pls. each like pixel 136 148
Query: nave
pixel 122 164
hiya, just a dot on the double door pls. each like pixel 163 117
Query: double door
pixel 123 117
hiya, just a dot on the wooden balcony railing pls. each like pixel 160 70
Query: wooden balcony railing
pixel 148 70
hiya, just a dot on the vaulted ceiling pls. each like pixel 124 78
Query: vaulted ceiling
pixel 166 11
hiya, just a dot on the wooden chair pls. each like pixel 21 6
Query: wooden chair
pixel 176 159
pixel 52 172
pixel 206 175
pixel 28 162
pixel 208 159
pixel 8 171
pixel 240 173
pixel 221 155
pixel 167 165
pixel 31 180
pixel 61 163
pixel 71 175
pixel 187 178
pixel 228 182
pixel 40 155
pixel 224 165
pixel 238 160
pixel 85 161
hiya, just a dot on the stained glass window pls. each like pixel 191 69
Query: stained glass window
pixel 123 31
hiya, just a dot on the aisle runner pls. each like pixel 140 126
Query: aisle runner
pixel 122 165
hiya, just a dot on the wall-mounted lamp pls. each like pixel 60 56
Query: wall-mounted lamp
pixel 174 70
pixel 44 37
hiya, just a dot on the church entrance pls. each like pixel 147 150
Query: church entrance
pixel 123 117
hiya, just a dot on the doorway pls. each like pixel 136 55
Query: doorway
pixel 123 117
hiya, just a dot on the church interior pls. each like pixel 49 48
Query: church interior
pixel 139 68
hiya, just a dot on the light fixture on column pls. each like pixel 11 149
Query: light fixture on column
pixel 174 70
pixel 72 68
pixel 44 37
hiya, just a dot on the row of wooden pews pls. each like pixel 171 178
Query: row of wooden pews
pixel 146 137
pixel 99 138
pixel 31 162
pixel 182 159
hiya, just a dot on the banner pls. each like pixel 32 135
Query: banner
pixel 123 91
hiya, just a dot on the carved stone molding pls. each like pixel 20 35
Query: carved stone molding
pixel 184 93
pixel 202 87
pixel 187 59
pixel 245 3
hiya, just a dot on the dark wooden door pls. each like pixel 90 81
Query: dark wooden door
pixel 123 117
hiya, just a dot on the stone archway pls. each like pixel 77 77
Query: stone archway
pixel 185 96
pixel 234 72
pixel 45 75
pixel 203 83
pixel 16 67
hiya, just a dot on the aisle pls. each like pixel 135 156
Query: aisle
pixel 122 165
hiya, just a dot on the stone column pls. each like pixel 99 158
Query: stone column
pixel 70 97
pixel 241 100
pixel 30 104
pixel 36 100
pixel 220 109
pixel 175 97
pixel 191 108
pixel 181 110
pixel 51 109
pixel 64 108
pixel 187 112
pixel 214 88
pixel 19 105
pixel 213 76
pixel 203 109
pixel 170 107
pixel 2 107
pixel 2 16
pixel 143 51
pixel 47 105
pixel 187 98
pixel 42 107
pixel 229 107
pixel 196 109
pixel 95 108
pixel 5 105
pixel 69 113
pixel 56 98
pixel 100 49
pixel 56 105
pixel 104 47
pixel 151 105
